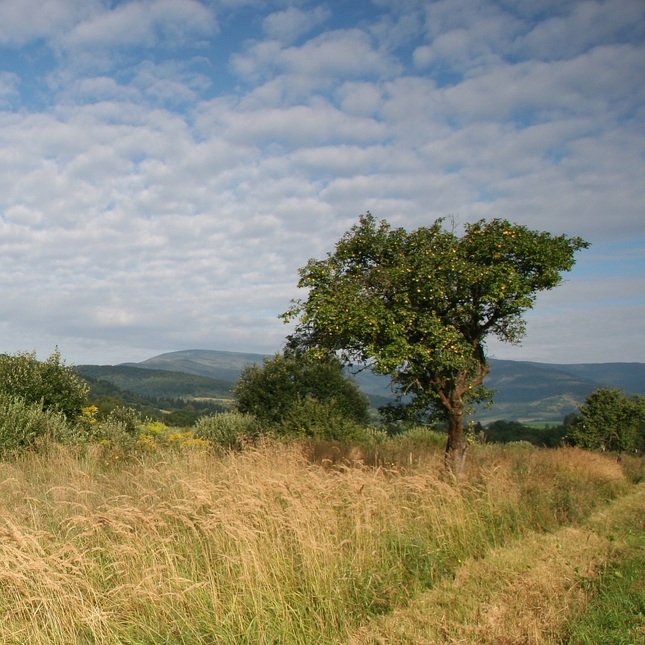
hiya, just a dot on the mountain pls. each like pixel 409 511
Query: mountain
pixel 629 377
pixel 524 391
pixel 218 365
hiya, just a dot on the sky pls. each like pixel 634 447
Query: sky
pixel 167 166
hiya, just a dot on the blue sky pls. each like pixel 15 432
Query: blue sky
pixel 166 166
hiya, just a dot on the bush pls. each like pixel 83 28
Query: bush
pixel 228 430
pixel 278 390
pixel 49 383
pixel 129 418
pixel 24 424
pixel 609 420
pixel 312 418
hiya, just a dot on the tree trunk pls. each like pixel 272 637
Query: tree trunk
pixel 452 398
pixel 457 446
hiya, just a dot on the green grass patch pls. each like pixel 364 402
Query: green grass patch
pixel 616 609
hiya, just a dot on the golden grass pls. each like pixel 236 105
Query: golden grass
pixel 261 546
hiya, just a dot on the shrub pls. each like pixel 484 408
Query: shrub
pixel 24 424
pixel 228 430
pixel 609 420
pixel 49 383
pixel 155 434
pixel 275 391
pixel 128 418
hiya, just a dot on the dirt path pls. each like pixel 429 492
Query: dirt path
pixel 521 594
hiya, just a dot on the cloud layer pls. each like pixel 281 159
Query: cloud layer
pixel 167 165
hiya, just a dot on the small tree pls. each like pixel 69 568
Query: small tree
pixel 50 383
pixel 274 390
pixel 609 420
pixel 419 306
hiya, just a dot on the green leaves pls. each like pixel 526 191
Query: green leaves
pixel 419 305
pixel 284 382
pixel 610 420
pixel 49 383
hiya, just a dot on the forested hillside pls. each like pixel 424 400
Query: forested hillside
pixel 176 397
pixel 524 391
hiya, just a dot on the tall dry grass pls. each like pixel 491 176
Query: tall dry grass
pixel 257 547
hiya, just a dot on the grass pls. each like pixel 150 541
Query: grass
pixel 547 588
pixel 263 546
pixel 615 612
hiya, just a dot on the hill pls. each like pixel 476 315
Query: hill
pixel 159 383
pixel 525 391
pixel 176 397
pixel 217 365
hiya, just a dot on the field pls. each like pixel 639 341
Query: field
pixel 285 544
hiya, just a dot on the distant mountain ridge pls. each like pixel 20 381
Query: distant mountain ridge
pixel 218 365
pixel 525 391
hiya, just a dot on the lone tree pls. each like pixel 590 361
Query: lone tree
pixel 419 306
pixel 609 420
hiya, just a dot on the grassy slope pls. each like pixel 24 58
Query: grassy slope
pixel 262 547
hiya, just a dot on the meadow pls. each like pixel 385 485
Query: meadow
pixel 316 542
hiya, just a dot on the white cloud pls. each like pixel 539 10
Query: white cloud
pixel 360 98
pixel 343 54
pixel 290 24
pixel 592 84
pixel 586 25
pixel 142 23
pixel 454 25
pixel 318 123
pixel 22 21
pixel 146 206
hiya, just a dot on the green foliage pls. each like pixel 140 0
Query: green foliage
pixel 24 424
pixel 228 430
pixel 129 418
pixel 419 305
pixel 502 431
pixel 294 386
pixel 609 420
pixel 173 412
pixel 50 383
pixel 310 417
pixel 152 383
pixel 149 396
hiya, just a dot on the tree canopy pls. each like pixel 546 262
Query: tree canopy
pixel 609 420
pixel 419 306
pixel 283 384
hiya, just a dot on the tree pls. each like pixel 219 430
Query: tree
pixel 284 383
pixel 420 305
pixel 50 383
pixel 609 420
